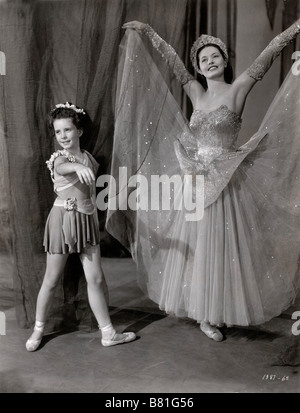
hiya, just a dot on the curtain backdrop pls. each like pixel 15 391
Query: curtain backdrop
pixel 291 10
pixel 59 50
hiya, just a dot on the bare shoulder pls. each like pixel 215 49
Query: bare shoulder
pixel 240 89
pixel 57 158
pixel 194 90
pixel 60 160
pixel 243 83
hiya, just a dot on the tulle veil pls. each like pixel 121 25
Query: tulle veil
pixel 265 172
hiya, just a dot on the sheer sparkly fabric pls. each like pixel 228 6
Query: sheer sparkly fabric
pixel 239 264
pixel 169 55
pixel 264 61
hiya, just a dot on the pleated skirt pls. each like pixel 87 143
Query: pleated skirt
pixel 70 231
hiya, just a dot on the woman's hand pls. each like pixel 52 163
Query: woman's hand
pixel 85 174
pixel 135 25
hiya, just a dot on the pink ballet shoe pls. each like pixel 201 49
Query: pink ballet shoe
pixel 124 338
pixel 33 345
pixel 212 332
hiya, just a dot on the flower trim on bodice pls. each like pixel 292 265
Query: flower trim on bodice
pixel 50 162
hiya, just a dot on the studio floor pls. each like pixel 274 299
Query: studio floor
pixel 170 355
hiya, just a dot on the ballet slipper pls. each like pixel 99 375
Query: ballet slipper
pixel 212 332
pixel 33 345
pixel 118 339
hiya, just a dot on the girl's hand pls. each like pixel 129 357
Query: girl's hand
pixel 85 174
pixel 134 25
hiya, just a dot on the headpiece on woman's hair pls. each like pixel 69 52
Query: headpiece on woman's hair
pixel 205 40
pixel 68 105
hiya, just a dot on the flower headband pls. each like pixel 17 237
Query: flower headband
pixel 68 105
pixel 205 40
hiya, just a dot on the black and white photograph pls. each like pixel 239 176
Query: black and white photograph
pixel 149 199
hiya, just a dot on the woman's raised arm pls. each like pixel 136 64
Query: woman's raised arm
pixel 167 52
pixel 263 62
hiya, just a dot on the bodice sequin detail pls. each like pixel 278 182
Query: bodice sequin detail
pixel 212 134
pixel 218 128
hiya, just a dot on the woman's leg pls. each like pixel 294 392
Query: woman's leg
pixel 212 332
pixel 54 269
pixel 96 285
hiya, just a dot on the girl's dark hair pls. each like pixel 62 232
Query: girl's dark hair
pixel 80 119
pixel 228 71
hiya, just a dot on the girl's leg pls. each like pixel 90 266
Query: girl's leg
pixel 54 269
pixel 96 285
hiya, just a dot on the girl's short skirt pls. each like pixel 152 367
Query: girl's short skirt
pixel 70 231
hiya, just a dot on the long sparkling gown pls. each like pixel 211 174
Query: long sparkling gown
pixel 239 264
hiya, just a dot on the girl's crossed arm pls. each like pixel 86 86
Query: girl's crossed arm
pixel 64 167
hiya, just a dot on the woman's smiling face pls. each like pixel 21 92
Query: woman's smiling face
pixel 211 63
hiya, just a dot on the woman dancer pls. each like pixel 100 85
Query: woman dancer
pixel 238 265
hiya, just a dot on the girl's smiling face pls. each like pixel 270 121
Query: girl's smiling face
pixel 67 135
pixel 211 63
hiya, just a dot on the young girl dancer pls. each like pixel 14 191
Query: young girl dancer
pixel 72 225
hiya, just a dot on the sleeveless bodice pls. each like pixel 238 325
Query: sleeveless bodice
pixel 218 128
pixel 210 135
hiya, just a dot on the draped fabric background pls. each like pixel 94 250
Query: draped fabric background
pixel 58 51
pixel 67 50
